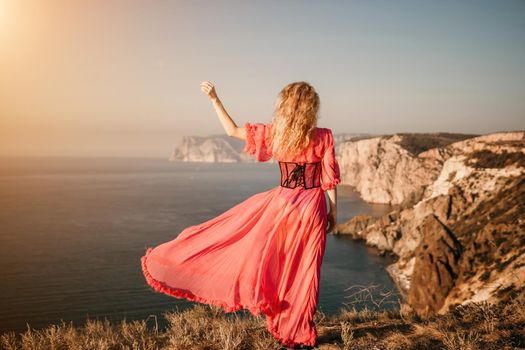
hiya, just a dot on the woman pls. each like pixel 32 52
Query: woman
pixel 265 253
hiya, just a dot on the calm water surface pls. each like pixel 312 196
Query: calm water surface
pixel 72 232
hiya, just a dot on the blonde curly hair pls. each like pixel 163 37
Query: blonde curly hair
pixel 294 119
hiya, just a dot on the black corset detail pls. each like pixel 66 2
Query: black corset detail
pixel 303 174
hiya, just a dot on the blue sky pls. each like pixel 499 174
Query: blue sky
pixel 122 77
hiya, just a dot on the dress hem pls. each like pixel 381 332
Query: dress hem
pixel 286 341
pixel 261 308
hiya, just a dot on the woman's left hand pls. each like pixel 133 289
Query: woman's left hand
pixel 331 220
pixel 208 88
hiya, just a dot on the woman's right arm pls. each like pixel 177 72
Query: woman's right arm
pixel 227 122
pixel 332 213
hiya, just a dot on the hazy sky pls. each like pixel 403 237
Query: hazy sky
pixel 107 77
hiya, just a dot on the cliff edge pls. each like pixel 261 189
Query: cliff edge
pixel 458 230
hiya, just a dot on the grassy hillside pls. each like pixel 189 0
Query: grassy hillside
pixel 474 326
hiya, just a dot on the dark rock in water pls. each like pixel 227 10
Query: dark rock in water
pixel 355 226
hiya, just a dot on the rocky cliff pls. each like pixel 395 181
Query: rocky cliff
pixel 224 149
pixel 458 230
pixel 396 168
pixel 211 149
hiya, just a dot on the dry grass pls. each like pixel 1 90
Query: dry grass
pixel 473 326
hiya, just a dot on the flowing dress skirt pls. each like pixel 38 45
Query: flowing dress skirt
pixel 264 255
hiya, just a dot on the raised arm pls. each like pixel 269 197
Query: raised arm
pixel 227 122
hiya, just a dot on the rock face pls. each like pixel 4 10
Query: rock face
pixel 437 263
pixel 211 149
pixel 460 235
pixel 393 169
pixel 223 149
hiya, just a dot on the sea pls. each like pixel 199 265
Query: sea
pixel 72 231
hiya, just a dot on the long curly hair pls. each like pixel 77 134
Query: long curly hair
pixel 294 119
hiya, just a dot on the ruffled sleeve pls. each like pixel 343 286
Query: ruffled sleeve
pixel 330 173
pixel 257 136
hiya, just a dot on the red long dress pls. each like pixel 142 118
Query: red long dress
pixel 265 253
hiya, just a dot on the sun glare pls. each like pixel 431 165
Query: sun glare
pixel 9 27
pixel 4 4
